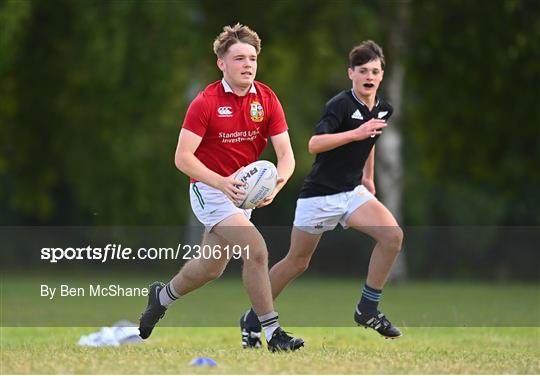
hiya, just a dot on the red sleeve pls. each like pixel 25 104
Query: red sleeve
pixel 197 116
pixel 277 124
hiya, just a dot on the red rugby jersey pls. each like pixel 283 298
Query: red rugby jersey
pixel 234 129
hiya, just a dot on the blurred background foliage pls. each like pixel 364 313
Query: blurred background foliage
pixel 93 94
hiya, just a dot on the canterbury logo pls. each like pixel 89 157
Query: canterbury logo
pixel 382 114
pixel 224 111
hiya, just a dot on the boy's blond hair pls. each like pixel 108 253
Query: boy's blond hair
pixel 235 34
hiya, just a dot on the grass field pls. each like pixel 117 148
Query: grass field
pixel 328 351
pixel 448 328
pixel 309 301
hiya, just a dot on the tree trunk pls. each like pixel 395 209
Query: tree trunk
pixel 389 158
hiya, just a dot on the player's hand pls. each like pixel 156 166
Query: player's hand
pixel 369 184
pixel 370 128
pixel 232 188
pixel 268 200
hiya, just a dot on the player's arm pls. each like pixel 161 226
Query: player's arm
pixel 285 157
pixel 186 161
pixel 324 142
pixel 285 163
pixel 368 178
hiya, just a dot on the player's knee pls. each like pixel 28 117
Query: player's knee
pixel 257 256
pixel 299 264
pixel 393 238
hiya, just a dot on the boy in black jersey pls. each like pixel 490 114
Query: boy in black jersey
pixel 340 189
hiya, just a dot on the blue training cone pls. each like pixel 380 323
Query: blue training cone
pixel 201 362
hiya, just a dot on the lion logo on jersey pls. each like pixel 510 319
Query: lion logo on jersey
pixel 256 112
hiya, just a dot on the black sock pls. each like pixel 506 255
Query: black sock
pixel 370 300
pixel 252 321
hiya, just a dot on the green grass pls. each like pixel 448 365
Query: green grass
pixel 449 328
pixel 329 302
pixel 327 351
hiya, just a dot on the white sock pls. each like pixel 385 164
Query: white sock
pixel 167 295
pixel 269 323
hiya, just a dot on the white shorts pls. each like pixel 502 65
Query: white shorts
pixel 211 206
pixel 322 213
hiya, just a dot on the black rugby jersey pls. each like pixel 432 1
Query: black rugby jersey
pixel 341 169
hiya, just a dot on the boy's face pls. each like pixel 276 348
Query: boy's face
pixel 239 65
pixel 366 78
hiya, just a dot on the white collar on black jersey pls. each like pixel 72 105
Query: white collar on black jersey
pixel 360 101
pixel 228 88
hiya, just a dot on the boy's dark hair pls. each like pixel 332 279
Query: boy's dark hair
pixel 365 52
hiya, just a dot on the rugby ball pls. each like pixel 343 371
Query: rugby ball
pixel 260 179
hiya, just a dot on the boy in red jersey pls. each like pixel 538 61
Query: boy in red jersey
pixel 227 127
